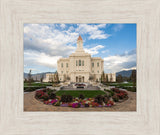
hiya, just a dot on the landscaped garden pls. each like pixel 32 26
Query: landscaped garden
pixel 76 93
pixel 37 84
pixel 81 98
pixel 128 86
pixel 28 87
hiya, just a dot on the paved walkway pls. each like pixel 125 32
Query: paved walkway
pixel 31 104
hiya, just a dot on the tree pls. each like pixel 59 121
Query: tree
pixel 30 77
pixel 56 77
pixel 42 77
pixel 111 79
pixel 103 77
pixel 133 77
pixel 106 78
pixel 119 78
pixel 25 80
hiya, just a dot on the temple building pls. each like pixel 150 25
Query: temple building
pixel 81 67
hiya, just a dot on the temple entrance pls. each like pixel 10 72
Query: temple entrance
pixel 79 78
pixel 76 79
pixel 83 79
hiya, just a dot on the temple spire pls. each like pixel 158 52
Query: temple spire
pixel 79 44
pixel 79 38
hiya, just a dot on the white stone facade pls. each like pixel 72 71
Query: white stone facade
pixel 49 77
pixel 80 66
pixel 111 77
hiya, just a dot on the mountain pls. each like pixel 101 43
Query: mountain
pixel 124 73
pixel 37 76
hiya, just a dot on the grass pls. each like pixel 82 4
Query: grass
pixel 38 84
pixel 121 84
pixel 128 86
pixel 76 93
pixel 34 86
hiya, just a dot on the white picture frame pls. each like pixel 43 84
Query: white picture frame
pixel 145 121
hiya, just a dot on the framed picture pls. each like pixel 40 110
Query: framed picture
pixel 80 67
pixel 18 114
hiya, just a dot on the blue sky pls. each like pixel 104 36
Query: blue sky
pixel 44 44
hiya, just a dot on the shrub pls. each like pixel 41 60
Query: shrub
pixel 52 96
pixel 86 105
pixel 45 96
pixel 49 91
pixel 115 98
pixel 122 94
pixel 44 90
pixel 39 94
pixel 110 102
pixel 105 99
pixel 81 96
pixel 133 89
pixel 116 90
pixel 66 98
pixel 99 99
pixel 29 89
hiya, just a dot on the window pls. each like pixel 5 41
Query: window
pixel 66 64
pixel 62 72
pixel 61 64
pixel 92 64
pixel 98 71
pixel 79 62
pixel 76 63
pixel 98 64
pixel 83 63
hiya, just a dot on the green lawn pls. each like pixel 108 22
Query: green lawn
pixel 38 84
pixel 76 93
pixel 128 86
pixel 121 84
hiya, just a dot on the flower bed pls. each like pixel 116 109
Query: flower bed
pixel 80 84
pixel 119 94
pixel 49 98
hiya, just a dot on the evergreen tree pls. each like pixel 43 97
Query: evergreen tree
pixel 119 78
pixel 133 77
pixel 30 77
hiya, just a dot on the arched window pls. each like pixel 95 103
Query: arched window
pixel 76 62
pixel 82 62
pixel 61 64
pixel 98 64
pixel 92 64
pixel 79 62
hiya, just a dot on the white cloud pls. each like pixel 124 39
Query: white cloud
pixel 119 62
pixel 132 68
pixel 105 51
pixel 117 27
pixel 94 31
pixel 52 42
pixel 94 50
pixel 37 58
pixel 62 26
